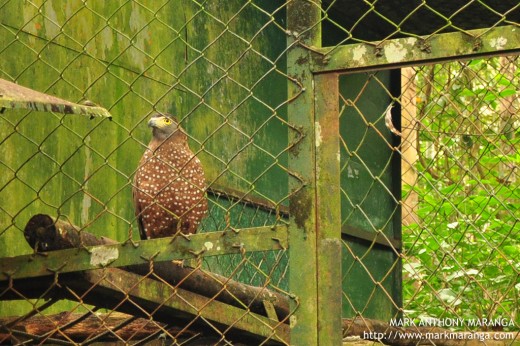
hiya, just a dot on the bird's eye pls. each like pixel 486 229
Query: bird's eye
pixel 167 121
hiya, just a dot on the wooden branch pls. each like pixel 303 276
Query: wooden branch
pixel 86 327
pixel 81 328
pixel 120 290
pixel 44 234
pixel 220 287
pixel 16 96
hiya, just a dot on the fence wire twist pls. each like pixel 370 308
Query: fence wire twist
pixel 439 241
pixel 459 194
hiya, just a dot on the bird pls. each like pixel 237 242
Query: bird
pixel 169 187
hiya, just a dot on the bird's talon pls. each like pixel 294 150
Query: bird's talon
pixel 179 263
pixel 186 236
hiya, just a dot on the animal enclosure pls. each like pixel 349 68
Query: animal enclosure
pixel 361 160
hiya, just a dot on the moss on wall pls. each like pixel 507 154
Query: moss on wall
pixel 218 67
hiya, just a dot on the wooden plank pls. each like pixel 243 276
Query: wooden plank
pixel 14 96
pixel 119 290
pixel 226 290
pixel 141 296
pixel 86 327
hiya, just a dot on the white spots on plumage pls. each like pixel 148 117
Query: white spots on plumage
pixel 170 185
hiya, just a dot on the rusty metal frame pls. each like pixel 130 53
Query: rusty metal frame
pixel 118 255
pixel 396 53
pixel 315 226
pixel 315 215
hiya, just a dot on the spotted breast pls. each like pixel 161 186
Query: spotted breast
pixel 169 185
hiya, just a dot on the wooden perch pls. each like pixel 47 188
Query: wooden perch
pixel 99 327
pixel 79 327
pixel 44 234
pixel 16 96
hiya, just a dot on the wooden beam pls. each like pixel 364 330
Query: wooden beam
pixel 14 96
pixel 87 327
pixel 119 290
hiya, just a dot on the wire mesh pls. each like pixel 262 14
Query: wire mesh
pixel 134 58
pixel 375 22
pixel 465 215
pixel 429 170
pixel 453 130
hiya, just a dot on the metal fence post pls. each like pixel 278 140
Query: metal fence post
pixel 328 205
pixel 303 28
pixel 315 212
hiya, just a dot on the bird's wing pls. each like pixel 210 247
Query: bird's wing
pixel 138 210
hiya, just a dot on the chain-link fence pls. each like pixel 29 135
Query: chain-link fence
pixel 457 194
pixel 375 21
pixel 464 198
pixel 422 221
pixel 135 58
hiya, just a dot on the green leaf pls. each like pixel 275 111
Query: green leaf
pixel 469 92
pixel 475 62
pixel 507 92
pixel 502 80
pixel 512 250
pixel 449 189
pixel 449 297
pixel 490 96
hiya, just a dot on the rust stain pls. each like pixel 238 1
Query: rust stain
pixel 299 207
pixel 302 60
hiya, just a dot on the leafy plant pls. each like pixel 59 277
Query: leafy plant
pixel 463 254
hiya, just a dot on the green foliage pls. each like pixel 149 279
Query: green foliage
pixel 463 254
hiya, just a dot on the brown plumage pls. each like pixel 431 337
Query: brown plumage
pixel 169 185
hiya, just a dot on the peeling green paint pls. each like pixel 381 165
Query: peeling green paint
pixel 404 51
pixel 396 51
pixel 193 247
pixel 301 19
pixel 103 255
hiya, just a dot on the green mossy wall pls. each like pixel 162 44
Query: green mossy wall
pixel 218 67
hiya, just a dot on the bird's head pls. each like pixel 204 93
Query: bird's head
pixel 164 126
